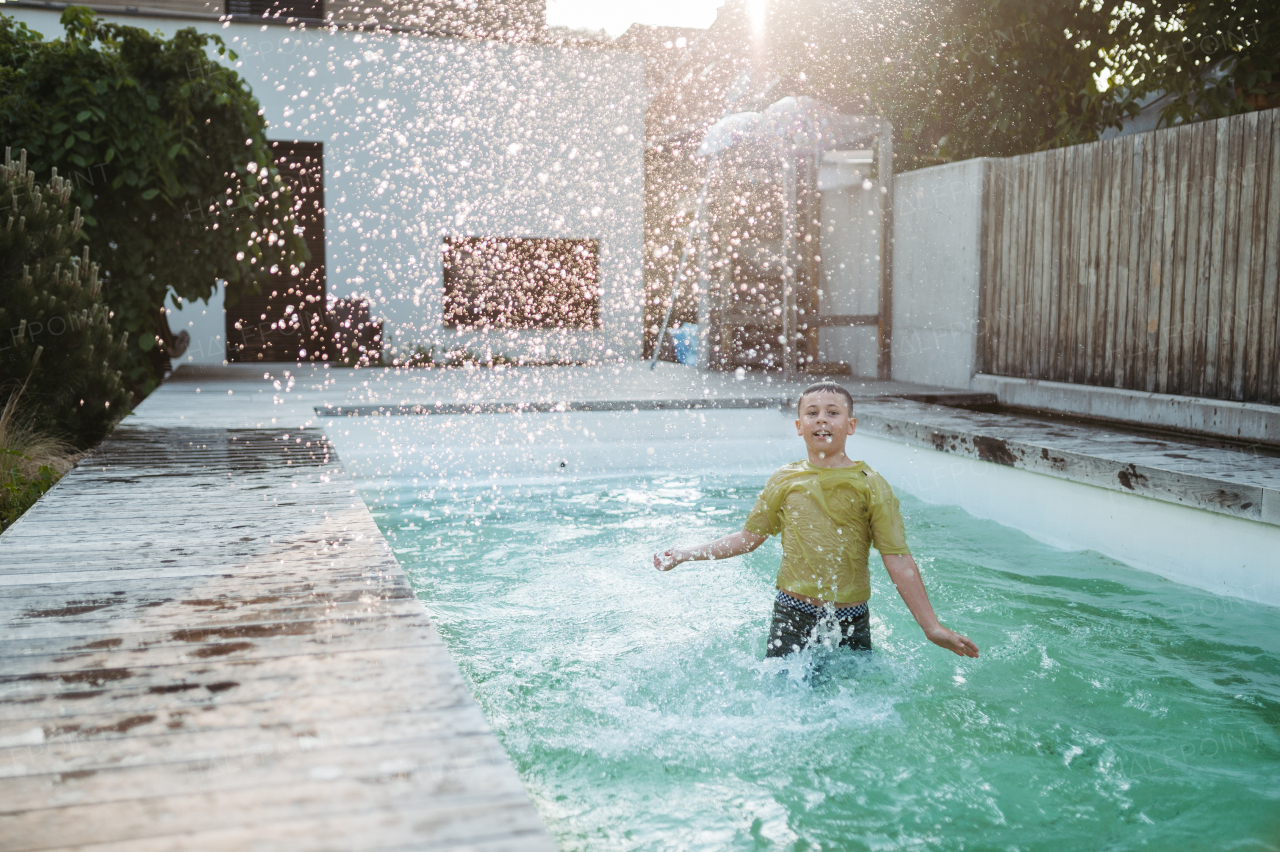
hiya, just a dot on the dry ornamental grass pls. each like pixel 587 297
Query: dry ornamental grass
pixel 31 461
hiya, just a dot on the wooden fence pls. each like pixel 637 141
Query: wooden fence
pixel 1146 262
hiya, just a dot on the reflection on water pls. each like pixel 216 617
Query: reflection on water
pixel 1110 709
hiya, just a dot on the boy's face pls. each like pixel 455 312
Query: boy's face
pixel 825 422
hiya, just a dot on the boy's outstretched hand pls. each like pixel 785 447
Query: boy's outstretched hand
pixel 906 577
pixel 666 560
pixel 952 641
pixel 734 544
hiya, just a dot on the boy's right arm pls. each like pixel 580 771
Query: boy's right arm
pixel 736 544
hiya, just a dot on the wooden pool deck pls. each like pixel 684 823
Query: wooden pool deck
pixel 208 646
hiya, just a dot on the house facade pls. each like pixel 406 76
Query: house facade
pixel 470 130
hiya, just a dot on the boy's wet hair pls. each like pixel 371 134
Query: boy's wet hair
pixel 827 387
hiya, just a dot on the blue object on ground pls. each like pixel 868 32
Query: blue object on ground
pixel 685 339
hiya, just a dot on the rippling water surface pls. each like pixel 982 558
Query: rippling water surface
pixel 1110 709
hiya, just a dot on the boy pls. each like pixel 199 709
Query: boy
pixel 829 509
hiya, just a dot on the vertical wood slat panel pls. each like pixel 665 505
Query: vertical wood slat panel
pixel 1012 224
pixel 1018 278
pixel 1073 243
pixel 1088 240
pixel 1155 260
pixel 1231 237
pixel 1002 281
pixel 1146 262
pixel 1168 226
pixel 1256 236
pixel 1194 150
pixel 1243 366
pixel 1027 280
pixel 1172 376
pixel 1088 258
pixel 1110 261
pixel 1217 246
pixel 1000 317
pixel 1042 289
pixel 1142 300
pixel 1120 194
pixel 1022 245
pixel 1107 269
pixel 1132 257
pixel 1003 216
pixel 1054 258
pixel 987 292
pixel 1204 263
pixel 1269 372
pixel 1101 240
pixel 1034 282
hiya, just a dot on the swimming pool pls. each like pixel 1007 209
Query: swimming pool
pixel 1111 709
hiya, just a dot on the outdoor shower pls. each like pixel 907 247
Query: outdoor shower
pixel 791 234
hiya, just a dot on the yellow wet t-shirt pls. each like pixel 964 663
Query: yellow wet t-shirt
pixel 829 518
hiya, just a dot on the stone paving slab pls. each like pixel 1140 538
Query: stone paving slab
pixel 1237 481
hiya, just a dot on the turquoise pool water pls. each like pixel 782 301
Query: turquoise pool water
pixel 1110 709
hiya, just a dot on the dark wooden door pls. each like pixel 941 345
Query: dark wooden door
pixel 285 321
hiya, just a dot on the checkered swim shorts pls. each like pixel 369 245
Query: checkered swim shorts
pixel 841 614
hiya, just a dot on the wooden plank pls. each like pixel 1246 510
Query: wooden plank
pixel 1070 252
pixel 1009 286
pixel 1246 178
pixel 1009 267
pixel 989 294
pixel 1099 240
pixel 461 824
pixel 1110 261
pixel 200 794
pixel 1221 282
pixel 1155 261
pixel 1088 258
pixel 1030 281
pixel 1037 249
pixel 232 732
pixel 1136 364
pixel 1128 231
pixel 1214 319
pixel 207 687
pixel 1057 260
pixel 1051 321
pixel 1204 260
pixel 1269 372
pixel 1258 139
pixel 1017 277
pixel 1081 216
pixel 1193 151
pixel 1174 258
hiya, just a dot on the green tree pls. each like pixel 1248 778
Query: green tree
pixel 57 339
pixel 167 156
pixel 1002 77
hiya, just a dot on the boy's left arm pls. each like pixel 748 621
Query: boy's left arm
pixel 906 577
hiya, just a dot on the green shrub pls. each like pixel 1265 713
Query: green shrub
pixel 167 155
pixel 55 333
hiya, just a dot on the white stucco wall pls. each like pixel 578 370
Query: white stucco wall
pixel 937 230
pixel 425 138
